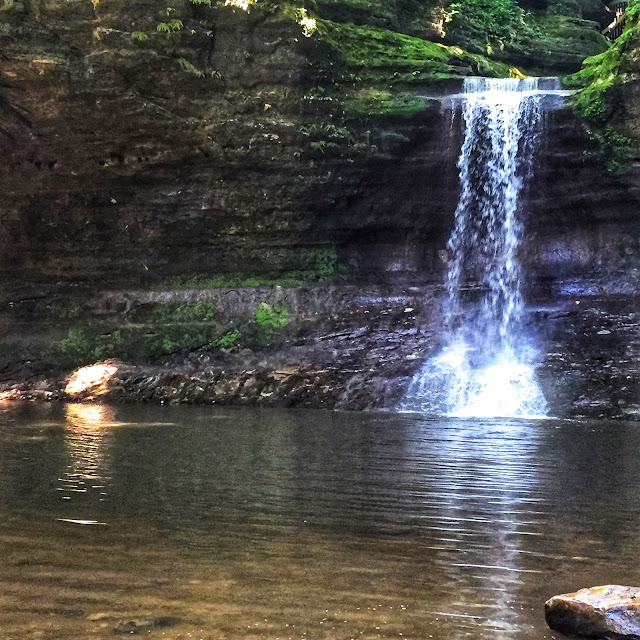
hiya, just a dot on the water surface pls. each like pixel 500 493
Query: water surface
pixel 296 524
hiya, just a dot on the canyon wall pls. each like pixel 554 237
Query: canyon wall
pixel 145 169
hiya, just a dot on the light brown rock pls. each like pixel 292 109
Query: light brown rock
pixel 609 611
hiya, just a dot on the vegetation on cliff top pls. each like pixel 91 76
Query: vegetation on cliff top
pixel 486 25
pixel 596 100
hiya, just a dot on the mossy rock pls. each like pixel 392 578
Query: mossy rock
pixel 372 101
pixel 559 46
pixel 606 98
pixel 390 56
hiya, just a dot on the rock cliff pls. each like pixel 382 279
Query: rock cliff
pixel 157 157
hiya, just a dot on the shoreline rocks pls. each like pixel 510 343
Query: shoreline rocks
pixel 608 611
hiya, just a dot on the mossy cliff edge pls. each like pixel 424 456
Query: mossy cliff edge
pixel 608 98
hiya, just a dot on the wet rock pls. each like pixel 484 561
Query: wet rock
pixel 609 611
pixel 144 625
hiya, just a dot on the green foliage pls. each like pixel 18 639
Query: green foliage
pixel 327 136
pixel 229 339
pixel 274 317
pixel 595 101
pixel 322 145
pixel 75 348
pixel 205 2
pixel 156 330
pixel 170 27
pixel 495 23
pixel 322 263
pixel 141 36
pixel 327 132
pixel 185 65
pixel 381 13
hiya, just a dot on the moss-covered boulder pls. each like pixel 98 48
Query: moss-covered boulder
pixel 550 40
pixel 557 44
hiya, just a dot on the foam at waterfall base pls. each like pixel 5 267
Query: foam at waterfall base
pixel 451 384
pixel 504 390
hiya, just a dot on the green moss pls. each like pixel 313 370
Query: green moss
pixel 364 46
pixel 599 74
pixel 229 339
pixel 316 265
pixel 372 101
pixel 196 312
pixel 271 316
pixel 384 55
pixel 595 101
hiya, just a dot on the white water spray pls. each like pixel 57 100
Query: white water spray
pixel 485 368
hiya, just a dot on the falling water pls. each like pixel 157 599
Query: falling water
pixel 485 367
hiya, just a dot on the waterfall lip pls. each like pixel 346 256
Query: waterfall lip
pixel 548 88
pixel 551 99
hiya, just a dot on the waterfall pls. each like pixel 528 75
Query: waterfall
pixel 485 367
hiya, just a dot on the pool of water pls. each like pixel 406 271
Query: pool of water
pixel 223 524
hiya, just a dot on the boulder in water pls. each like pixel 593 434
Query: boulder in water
pixel 609 611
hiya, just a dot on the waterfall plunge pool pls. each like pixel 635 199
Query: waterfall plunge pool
pixel 304 524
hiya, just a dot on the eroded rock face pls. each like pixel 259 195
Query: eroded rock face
pixel 609 611
pixel 123 170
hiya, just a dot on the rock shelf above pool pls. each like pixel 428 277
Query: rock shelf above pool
pixel 609 611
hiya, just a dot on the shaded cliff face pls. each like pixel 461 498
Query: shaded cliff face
pixel 628 95
pixel 209 152
pixel 131 164
pixel 231 144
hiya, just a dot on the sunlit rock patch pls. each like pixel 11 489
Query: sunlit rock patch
pixel 599 612
pixel 90 382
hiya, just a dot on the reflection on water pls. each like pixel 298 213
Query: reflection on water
pixel 282 524
pixel 88 442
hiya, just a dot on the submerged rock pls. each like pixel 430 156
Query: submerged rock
pixel 144 625
pixel 609 611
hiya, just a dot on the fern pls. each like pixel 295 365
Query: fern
pixel 139 35
pixel 170 27
pixel 185 65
